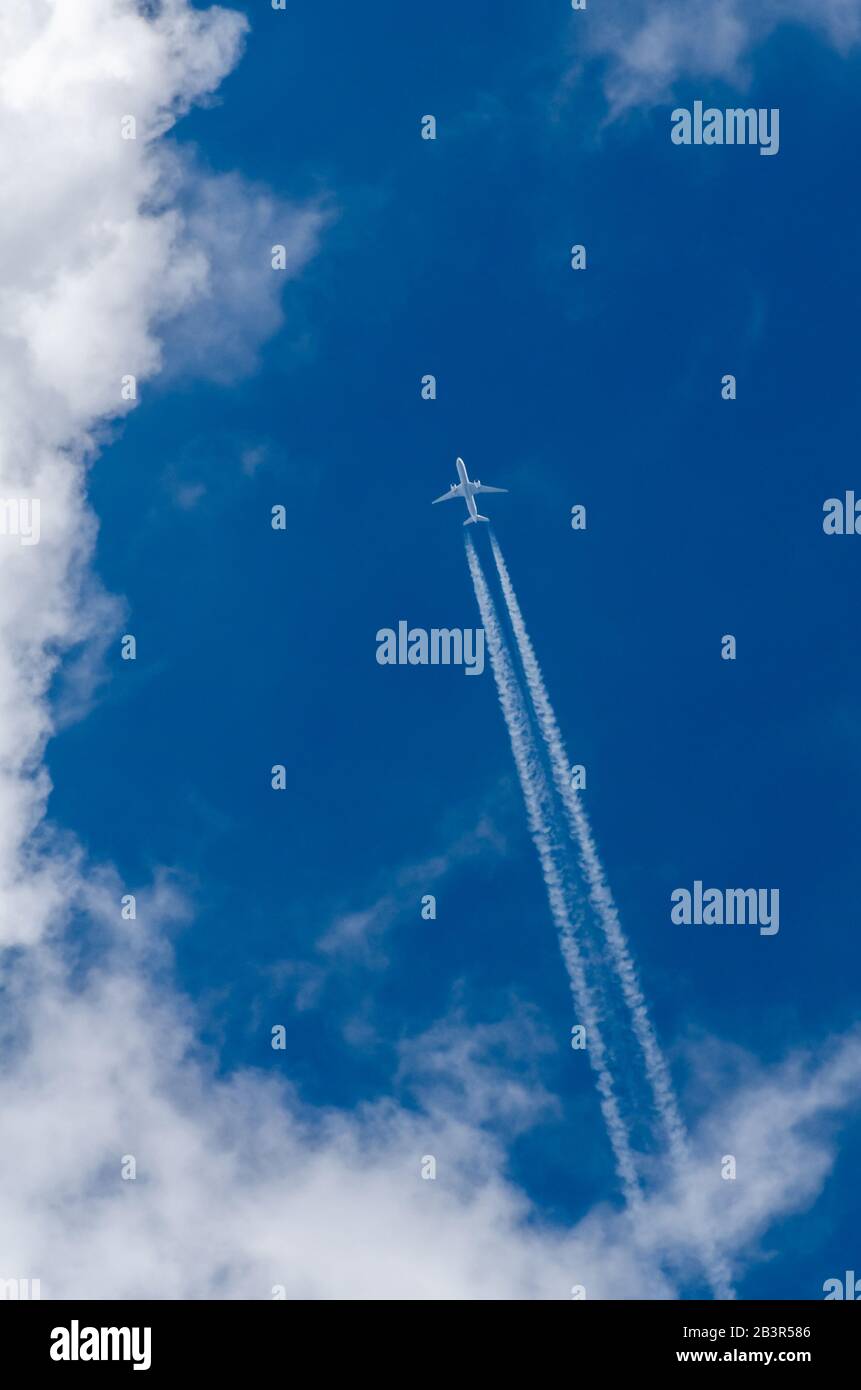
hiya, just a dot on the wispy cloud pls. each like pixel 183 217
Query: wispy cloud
pixel 357 938
pixel 235 224
pixel 360 932
pixel 650 45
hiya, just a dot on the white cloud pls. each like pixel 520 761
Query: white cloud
pixel 650 45
pixel 359 933
pixel 240 1186
pixel 356 939
pixel 235 224
pixel 103 240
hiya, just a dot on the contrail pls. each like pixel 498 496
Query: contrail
pixel 541 813
pixel 657 1071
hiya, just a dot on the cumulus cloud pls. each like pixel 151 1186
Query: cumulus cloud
pixel 649 45
pixel 104 240
pixel 240 1187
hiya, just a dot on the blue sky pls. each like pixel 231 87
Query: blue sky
pixel 704 517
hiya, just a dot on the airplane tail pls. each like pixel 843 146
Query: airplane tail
pixel 477 517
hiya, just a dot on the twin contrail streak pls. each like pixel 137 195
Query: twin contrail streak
pixel 592 870
pixel 541 815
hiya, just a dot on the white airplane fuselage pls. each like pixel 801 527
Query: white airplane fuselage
pixel 468 497
pixel 467 489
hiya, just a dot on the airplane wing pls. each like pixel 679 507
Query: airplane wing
pixel 480 487
pixel 456 491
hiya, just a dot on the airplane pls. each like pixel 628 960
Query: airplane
pixel 467 491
